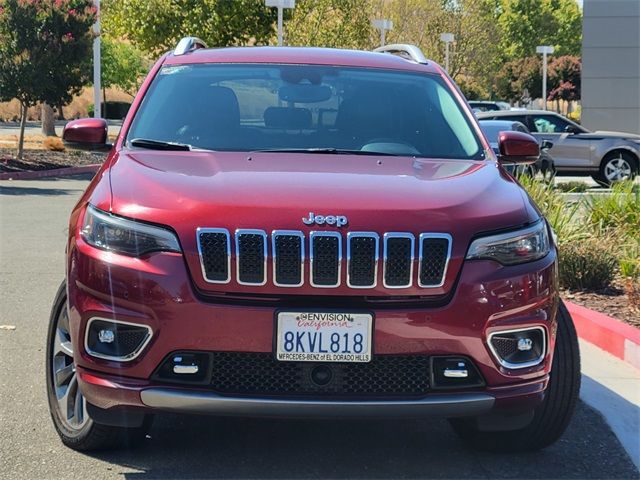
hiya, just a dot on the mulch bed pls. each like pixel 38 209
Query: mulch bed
pixel 46 160
pixel 612 301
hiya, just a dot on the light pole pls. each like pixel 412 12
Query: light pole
pixel 383 25
pixel 447 38
pixel 281 5
pixel 97 110
pixel 544 50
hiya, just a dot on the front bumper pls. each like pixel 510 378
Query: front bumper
pixel 118 395
pixel 158 293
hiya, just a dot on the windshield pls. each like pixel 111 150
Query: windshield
pixel 304 107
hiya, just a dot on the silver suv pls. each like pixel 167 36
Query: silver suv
pixel 607 156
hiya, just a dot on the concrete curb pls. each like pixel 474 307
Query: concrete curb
pixel 611 335
pixel 57 172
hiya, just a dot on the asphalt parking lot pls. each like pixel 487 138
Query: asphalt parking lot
pixel 33 216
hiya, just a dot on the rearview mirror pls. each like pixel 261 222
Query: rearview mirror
pixel 86 134
pixel 517 147
pixel 304 93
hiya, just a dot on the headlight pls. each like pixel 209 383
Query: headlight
pixel 512 248
pixel 117 234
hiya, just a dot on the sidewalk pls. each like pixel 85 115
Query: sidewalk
pixel 612 387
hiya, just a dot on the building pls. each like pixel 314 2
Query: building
pixel 611 65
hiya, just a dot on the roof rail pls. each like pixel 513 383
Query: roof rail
pixel 404 50
pixel 188 44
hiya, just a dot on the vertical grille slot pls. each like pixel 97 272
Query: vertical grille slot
pixel 362 259
pixel 435 251
pixel 214 248
pixel 325 257
pixel 398 260
pixel 288 258
pixel 251 257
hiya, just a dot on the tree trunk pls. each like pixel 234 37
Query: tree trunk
pixel 23 121
pixel 60 112
pixel 48 125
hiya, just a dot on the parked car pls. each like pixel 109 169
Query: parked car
pixel 544 164
pixel 308 232
pixel 606 156
pixel 488 106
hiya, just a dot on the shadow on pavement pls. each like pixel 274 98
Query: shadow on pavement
pixel 36 191
pixel 206 447
pixel 622 416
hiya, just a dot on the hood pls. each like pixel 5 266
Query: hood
pixel 268 191
pixel 604 133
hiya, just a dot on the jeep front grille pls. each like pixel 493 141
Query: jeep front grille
pixel 287 248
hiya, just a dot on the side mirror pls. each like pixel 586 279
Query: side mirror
pixel 546 145
pixel 571 129
pixel 86 134
pixel 517 147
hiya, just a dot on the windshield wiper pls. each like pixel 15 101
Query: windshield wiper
pixel 337 151
pixel 159 145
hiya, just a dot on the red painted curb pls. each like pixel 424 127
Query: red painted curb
pixel 57 172
pixel 611 335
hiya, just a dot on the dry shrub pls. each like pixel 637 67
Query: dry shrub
pixel 587 265
pixel 53 143
pixel 632 289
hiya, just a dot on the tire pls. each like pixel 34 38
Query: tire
pixel 616 166
pixel 550 418
pixel 75 428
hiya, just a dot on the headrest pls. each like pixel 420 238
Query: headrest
pixel 219 106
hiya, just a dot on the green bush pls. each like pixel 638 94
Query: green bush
pixel 587 265
pixel 572 187
pixel 562 215
pixel 618 211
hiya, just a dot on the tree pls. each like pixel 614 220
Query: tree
pixel 155 26
pixel 331 23
pixel 516 76
pixel 474 55
pixel 45 52
pixel 527 23
pixel 123 66
pixel 565 78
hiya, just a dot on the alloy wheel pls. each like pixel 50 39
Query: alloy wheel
pixel 71 403
pixel 617 169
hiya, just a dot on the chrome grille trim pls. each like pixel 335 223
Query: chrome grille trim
pixel 388 236
pixel 376 237
pixel 224 231
pixel 313 235
pixel 423 236
pixel 291 233
pixel 363 268
pixel 263 234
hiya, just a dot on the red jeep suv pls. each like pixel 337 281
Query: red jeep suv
pixel 308 232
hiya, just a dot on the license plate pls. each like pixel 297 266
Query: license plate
pixel 324 337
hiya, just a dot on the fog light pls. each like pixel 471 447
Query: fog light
pixel 116 340
pixel 106 336
pixel 525 344
pixel 519 348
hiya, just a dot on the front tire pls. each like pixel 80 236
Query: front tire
pixel 552 417
pixel 616 167
pixel 67 405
